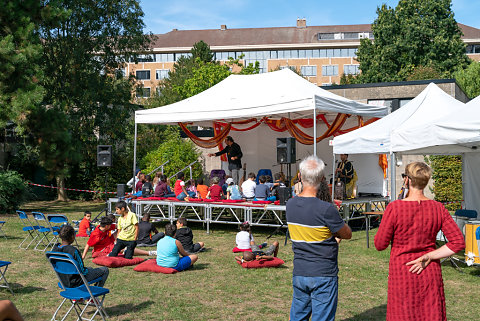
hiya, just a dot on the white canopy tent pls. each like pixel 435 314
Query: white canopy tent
pixel 427 108
pixel 240 97
pixel 455 133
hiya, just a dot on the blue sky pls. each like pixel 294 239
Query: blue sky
pixel 163 16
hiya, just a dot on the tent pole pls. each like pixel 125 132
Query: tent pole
pixel 314 130
pixel 333 179
pixel 134 157
pixel 393 184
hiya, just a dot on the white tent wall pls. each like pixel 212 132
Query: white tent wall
pixel 471 181
pixel 260 152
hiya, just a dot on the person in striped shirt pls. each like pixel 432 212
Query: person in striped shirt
pixel 314 225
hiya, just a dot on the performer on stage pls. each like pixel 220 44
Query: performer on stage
pixel 345 174
pixel 234 156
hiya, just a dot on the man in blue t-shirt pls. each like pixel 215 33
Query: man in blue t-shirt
pixel 314 228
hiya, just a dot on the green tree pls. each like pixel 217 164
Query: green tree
pixel 469 79
pixel 202 50
pixel 84 44
pixel 447 176
pixel 180 152
pixel 415 33
pixel 20 54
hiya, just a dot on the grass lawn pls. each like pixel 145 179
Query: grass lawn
pixel 217 288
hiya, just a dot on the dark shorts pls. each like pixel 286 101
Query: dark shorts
pixel 268 251
pixel 194 248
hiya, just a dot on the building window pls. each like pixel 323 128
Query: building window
pixel 310 71
pixel 292 68
pixel 472 49
pixel 165 57
pixel 143 92
pixel 330 70
pixel 182 54
pixel 142 74
pixel 351 69
pixel 161 74
pixel 146 58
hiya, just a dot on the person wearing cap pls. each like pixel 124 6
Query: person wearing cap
pixel 233 192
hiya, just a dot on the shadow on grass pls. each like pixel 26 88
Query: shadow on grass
pixel 121 309
pixel 20 289
pixel 373 314
pixel 200 266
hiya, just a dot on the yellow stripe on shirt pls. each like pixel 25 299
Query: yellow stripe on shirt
pixel 309 234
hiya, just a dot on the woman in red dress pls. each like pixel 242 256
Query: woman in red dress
pixel 410 225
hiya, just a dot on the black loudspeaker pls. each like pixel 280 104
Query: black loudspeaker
pixel 104 155
pixel 286 151
pixel 284 194
pixel 121 188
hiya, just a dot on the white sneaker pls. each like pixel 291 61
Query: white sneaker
pixel 152 253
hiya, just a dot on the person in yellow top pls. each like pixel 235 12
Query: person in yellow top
pixel 127 227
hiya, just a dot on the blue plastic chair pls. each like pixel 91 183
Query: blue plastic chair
pixel 27 227
pixel 3 269
pixel 2 232
pixel 55 222
pixel 43 231
pixel 63 263
pixel 263 172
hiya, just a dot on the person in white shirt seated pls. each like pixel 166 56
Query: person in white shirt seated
pixel 248 187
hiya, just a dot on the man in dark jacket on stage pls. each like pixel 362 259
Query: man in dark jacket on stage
pixel 234 156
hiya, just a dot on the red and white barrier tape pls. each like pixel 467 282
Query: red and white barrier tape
pixel 70 189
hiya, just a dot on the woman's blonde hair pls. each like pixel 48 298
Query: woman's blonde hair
pixel 419 174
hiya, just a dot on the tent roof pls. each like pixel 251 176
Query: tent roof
pixel 281 93
pixel 455 133
pixel 430 105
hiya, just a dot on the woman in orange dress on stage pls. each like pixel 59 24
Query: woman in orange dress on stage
pixel 410 225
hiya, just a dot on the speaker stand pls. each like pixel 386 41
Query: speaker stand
pixel 106 198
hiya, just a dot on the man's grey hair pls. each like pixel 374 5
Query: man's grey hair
pixel 311 170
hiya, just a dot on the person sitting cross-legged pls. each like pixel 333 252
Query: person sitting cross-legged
pixel 168 250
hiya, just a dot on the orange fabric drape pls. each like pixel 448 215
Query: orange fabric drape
pixel 207 143
pixel 222 129
pixel 217 129
pixel 383 163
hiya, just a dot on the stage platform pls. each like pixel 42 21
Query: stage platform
pixel 237 213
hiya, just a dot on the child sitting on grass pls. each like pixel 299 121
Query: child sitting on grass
pixel 103 241
pixel 168 249
pixel 244 238
pixel 215 191
pixel 147 233
pixel 85 227
pixel 258 254
pixel 67 235
pixel 185 236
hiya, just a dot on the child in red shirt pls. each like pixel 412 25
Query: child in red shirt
pixel 100 238
pixel 85 227
pixel 215 191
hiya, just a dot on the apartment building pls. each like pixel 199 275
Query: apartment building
pixel 320 53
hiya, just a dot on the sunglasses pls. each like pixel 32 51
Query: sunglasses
pixel 405 175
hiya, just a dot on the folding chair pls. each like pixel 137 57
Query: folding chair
pixel 3 269
pixel 27 227
pixel 264 172
pixel 2 232
pixel 63 263
pixel 43 231
pixel 55 222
